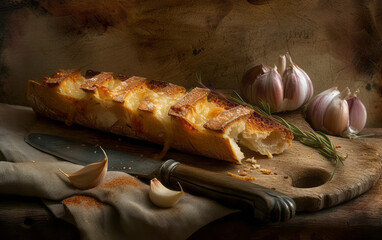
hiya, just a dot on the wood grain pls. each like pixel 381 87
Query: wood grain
pixel 300 172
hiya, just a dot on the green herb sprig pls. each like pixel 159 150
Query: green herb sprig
pixel 314 139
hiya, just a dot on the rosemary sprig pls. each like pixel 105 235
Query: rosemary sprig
pixel 314 139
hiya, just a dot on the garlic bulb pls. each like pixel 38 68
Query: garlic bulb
pixel 284 89
pixel 333 112
pixel 162 196
pixel 265 83
pixel 89 176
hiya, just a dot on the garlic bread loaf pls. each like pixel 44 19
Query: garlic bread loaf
pixel 197 122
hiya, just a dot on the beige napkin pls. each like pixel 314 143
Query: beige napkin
pixel 119 208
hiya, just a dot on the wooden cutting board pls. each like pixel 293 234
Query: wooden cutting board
pixel 300 172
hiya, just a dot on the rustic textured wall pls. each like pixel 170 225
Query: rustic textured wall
pixel 337 42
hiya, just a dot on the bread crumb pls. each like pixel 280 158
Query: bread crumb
pixel 242 173
pixel 246 169
pixel 244 178
pixel 256 166
pixel 269 154
pixel 251 160
pixel 337 146
pixel 286 177
pixel 266 171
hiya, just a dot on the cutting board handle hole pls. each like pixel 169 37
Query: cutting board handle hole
pixel 310 177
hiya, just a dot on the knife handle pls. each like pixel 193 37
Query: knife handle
pixel 264 204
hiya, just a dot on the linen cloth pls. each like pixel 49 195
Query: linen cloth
pixel 118 208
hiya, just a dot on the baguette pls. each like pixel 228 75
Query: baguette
pixel 197 122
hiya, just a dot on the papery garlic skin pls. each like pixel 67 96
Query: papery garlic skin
pixel 357 114
pixel 281 65
pixel 89 176
pixel 265 83
pixel 298 88
pixel 162 196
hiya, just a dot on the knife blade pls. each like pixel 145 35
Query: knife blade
pixel 261 203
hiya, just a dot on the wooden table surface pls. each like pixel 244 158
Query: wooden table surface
pixel 28 218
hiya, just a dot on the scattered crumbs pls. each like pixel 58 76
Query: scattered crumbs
pixel 246 169
pixel 256 166
pixel 286 177
pixel 266 171
pixel 82 201
pixel 275 173
pixel 242 173
pixel 83 145
pixel 67 147
pixel 33 161
pixel 269 154
pixel 251 160
pixel 337 146
pixel 129 168
pixel 123 167
pixel 244 178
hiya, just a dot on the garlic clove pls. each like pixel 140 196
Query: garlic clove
pixel 336 117
pixel 298 88
pixel 268 87
pixel 317 107
pixel 249 79
pixel 162 196
pixel 357 113
pixel 90 175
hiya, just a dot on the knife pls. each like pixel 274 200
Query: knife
pixel 263 204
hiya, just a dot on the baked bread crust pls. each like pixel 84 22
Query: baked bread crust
pixel 197 122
